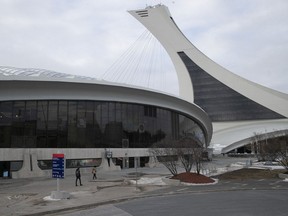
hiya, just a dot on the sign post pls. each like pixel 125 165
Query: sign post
pixel 58 168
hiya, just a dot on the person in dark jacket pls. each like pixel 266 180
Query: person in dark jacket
pixel 78 176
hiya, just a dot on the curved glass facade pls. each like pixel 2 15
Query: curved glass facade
pixel 90 124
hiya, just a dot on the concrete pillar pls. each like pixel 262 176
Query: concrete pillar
pixel 152 162
pixel 30 166
pixel 105 165
pixel 136 162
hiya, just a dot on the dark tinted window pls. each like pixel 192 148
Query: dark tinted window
pixel 89 124
pixel 221 102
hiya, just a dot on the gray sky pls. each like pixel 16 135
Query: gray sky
pixel 84 37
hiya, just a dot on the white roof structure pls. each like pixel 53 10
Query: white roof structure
pixel 40 84
pixel 237 107
pixel 16 73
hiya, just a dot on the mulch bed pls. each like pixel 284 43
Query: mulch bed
pixel 240 174
pixel 249 173
pixel 193 178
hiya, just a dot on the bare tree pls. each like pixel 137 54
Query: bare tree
pixel 255 142
pixel 183 153
pixel 271 147
pixel 283 159
pixel 198 158
pixel 282 156
pixel 167 154
pixel 190 152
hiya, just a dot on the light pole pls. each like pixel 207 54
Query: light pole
pixel 136 166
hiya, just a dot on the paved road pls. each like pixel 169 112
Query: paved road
pixel 238 203
pixel 246 203
pixel 25 196
pixel 249 197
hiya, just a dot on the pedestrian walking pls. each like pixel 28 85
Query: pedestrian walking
pixel 78 176
pixel 94 172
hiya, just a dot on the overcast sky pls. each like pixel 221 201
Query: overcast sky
pixel 84 37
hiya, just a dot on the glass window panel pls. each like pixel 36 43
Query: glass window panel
pixel 97 114
pixel 111 112
pixel 98 125
pixel 18 111
pixel 124 116
pixel 42 116
pixel 62 124
pixel 89 113
pixel 52 127
pixel 118 112
pixel 72 125
pixel 52 116
pixel 42 122
pixel 81 114
pixel 5 124
pixel 17 139
pixel 81 124
pixel 89 132
pixel 31 111
pixel 41 141
pixel 113 130
pixel 62 116
pixel 30 124
pixel 52 141
pixel 104 115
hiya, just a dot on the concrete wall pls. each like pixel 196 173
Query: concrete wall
pixel 17 154
pixel 30 158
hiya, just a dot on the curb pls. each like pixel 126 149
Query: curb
pixel 283 176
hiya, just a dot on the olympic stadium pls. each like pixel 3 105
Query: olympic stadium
pixel 44 112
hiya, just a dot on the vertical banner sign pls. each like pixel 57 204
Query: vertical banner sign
pixel 58 166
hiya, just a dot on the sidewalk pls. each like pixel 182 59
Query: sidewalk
pixel 26 196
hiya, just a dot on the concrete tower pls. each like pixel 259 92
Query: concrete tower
pixel 237 107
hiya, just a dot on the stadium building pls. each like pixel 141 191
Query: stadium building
pixel 44 112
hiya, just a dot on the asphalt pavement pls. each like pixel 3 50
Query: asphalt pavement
pixel 32 196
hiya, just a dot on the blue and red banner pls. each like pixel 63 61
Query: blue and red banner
pixel 58 166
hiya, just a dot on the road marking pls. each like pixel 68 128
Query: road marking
pixel 182 189
pixel 273 183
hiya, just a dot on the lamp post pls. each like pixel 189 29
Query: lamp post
pixel 136 166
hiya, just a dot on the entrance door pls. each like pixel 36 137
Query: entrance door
pixel 125 162
pixel 5 169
